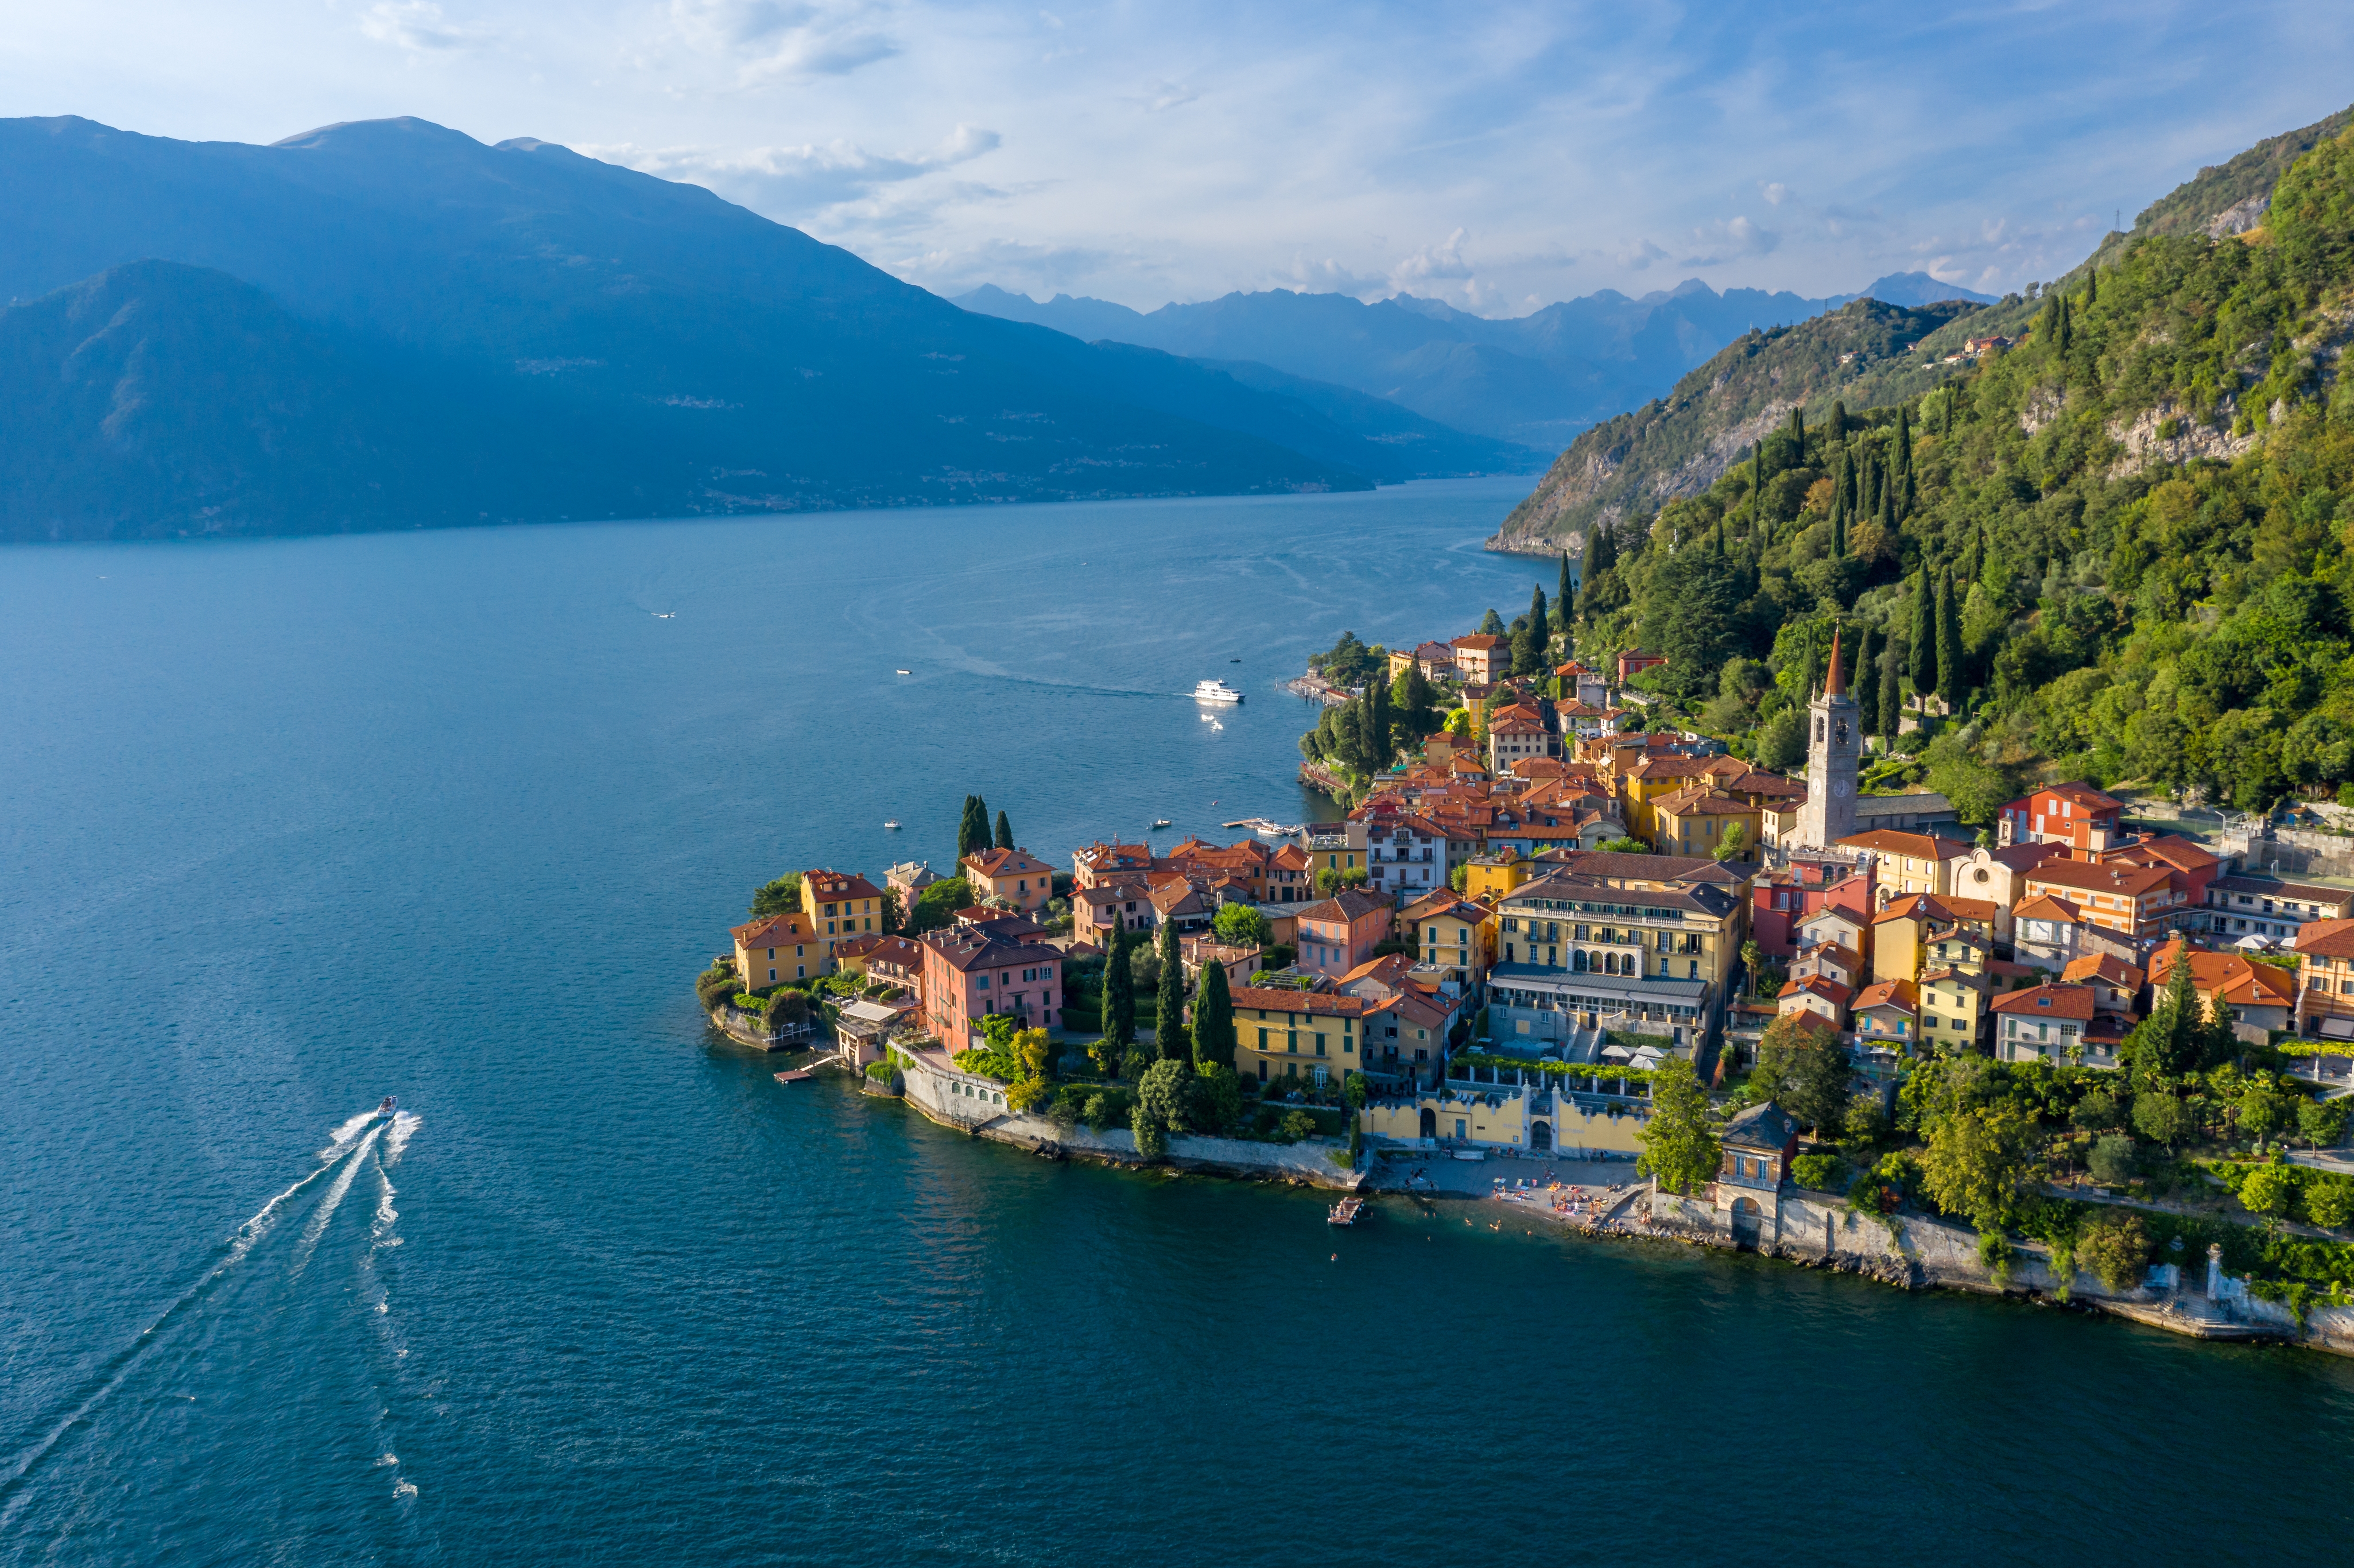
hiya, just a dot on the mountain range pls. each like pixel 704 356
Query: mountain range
pixel 1536 379
pixel 388 324
pixel 1863 356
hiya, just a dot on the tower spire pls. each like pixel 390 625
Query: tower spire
pixel 1834 686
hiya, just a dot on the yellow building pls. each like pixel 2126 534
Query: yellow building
pixel 1448 929
pixel 840 906
pixel 1281 1034
pixel 778 949
pixel 1538 1119
pixel 1491 876
pixel 1901 935
pixel 1339 847
pixel 1643 782
pixel 1909 863
pixel 1699 820
pixel 1954 1008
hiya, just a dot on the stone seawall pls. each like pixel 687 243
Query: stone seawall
pixel 1819 1230
pixel 929 1089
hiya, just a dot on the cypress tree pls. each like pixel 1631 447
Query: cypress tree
pixel 1924 642
pixel 1004 832
pixel 1951 391
pixel 1539 619
pixel 1891 696
pixel 1565 603
pixel 2066 334
pixel 1377 723
pixel 1213 1019
pixel 1903 444
pixel 1858 674
pixel 972 834
pixel 1950 644
pixel 1798 428
pixel 1888 510
pixel 1118 990
pixel 1838 421
pixel 1757 485
pixel 1838 535
pixel 1168 1004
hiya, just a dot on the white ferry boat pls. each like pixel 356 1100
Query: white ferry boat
pixel 1217 692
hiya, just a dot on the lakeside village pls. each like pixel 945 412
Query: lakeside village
pixel 1664 990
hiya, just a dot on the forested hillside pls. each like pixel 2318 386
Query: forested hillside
pixel 2119 549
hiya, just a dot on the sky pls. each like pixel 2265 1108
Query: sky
pixel 1497 156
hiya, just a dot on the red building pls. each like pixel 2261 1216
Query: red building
pixel 1342 932
pixel 1780 900
pixel 1632 664
pixel 2076 815
pixel 971 971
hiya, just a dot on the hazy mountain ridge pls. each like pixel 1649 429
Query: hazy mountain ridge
pixel 642 348
pixel 1536 379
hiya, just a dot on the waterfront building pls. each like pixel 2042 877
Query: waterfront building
pixel 1405 856
pixel 1834 738
pixel 776 950
pixel 1494 1105
pixel 840 904
pixel 1013 877
pixel 1340 933
pixel 1756 1147
pixel 1093 864
pixel 1578 949
pixel 972 971
pixel 894 961
pixel 1297 1033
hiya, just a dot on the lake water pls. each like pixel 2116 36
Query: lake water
pixel 455 816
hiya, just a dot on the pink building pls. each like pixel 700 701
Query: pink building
pixel 1340 933
pixel 971 971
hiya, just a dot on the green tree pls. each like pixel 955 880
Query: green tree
pixel 1217 1098
pixel 1214 1018
pixel 1679 1143
pixel 1242 926
pixel 2268 1190
pixel 1975 1163
pixel 1540 624
pixel 1892 694
pixel 1164 1096
pixel 2320 1122
pixel 1169 1010
pixel 1152 1137
pixel 2261 1113
pixel 2112 1161
pixel 1004 832
pixel 781 896
pixel 1805 1071
pixel 972 833
pixel 1528 652
pixel 2115 1247
pixel 1951 683
pixel 1735 843
pixel 2177 1038
pixel 937 905
pixel 2331 1203
pixel 1923 643
pixel 1416 700
pixel 1491 624
pixel 2161 1118
pixel 1782 741
pixel 1753 960
pixel 1119 991
pixel 1565 603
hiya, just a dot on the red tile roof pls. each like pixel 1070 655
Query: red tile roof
pixel 2069 1001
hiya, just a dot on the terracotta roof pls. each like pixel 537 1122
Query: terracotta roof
pixel 833 887
pixel 1478 640
pixel 1896 993
pixel 2069 1001
pixel 1981 910
pixel 2048 907
pixel 2027 857
pixel 1704 801
pixel 1815 985
pixel 2106 967
pixel 2236 980
pixel 1323 1003
pixel 1349 904
pixel 1834 952
pixel 996 862
pixel 1920 907
pixel 1387 970
pixel 2116 878
pixel 982 947
pixel 2082 794
pixel 774 931
pixel 2171 849
pixel 1441 903
pixel 2327 939
pixel 1916 847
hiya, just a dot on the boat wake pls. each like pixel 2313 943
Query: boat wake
pixel 367 1139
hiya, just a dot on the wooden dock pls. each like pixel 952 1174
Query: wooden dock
pixel 1345 1211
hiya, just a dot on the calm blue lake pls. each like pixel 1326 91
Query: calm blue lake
pixel 291 826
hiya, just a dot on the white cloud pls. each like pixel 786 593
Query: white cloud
pixel 419 27
pixel 771 40
pixel 1774 193
pixel 794 181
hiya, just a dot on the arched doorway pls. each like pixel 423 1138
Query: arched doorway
pixel 1539 1135
pixel 1748 1219
pixel 1429 1122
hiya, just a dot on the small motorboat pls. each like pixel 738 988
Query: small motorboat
pixel 903 671
pixel 892 825
pixel 1161 822
pixel 389 1106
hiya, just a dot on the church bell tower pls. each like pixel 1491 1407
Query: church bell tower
pixel 1832 742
